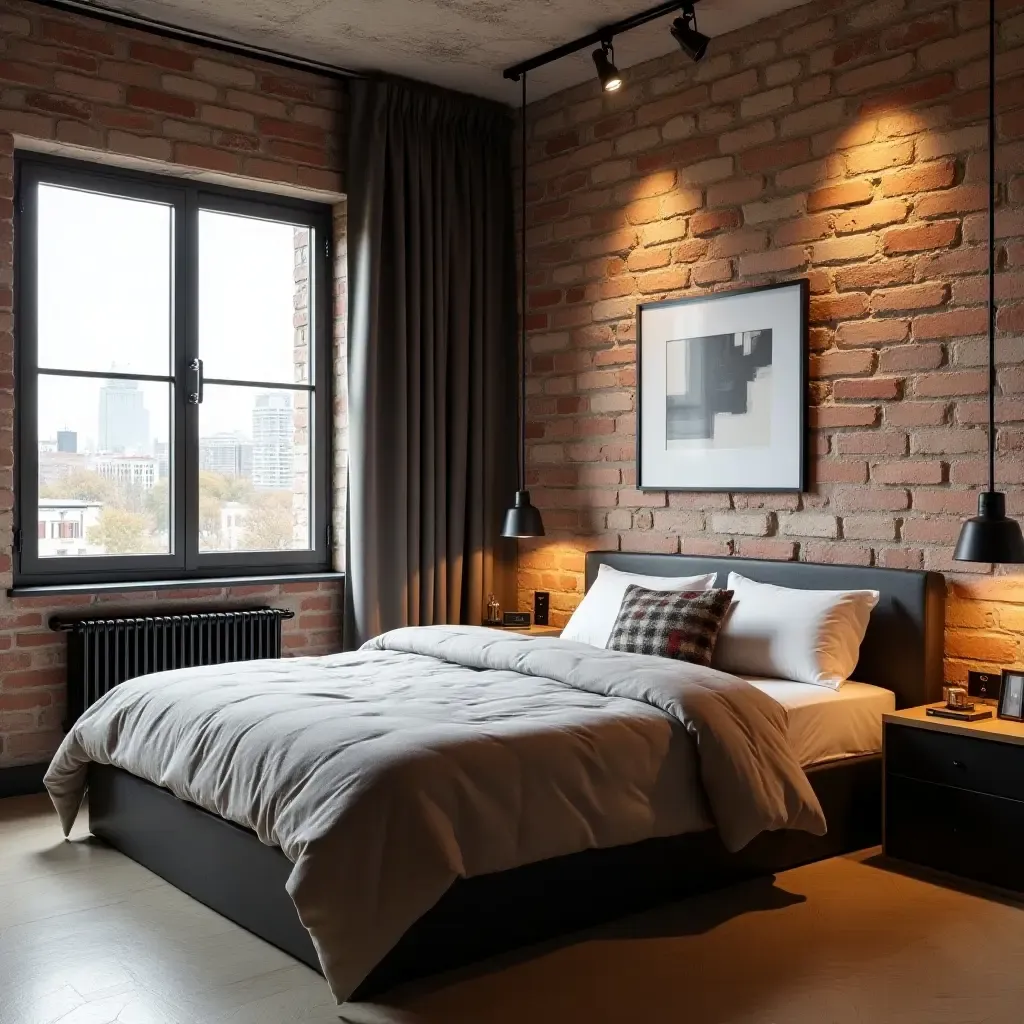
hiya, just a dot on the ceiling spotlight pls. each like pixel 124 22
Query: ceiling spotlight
pixel 693 43
pixel 607 72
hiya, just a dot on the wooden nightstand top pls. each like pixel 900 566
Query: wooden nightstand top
pixel 534 630
pixel 988 728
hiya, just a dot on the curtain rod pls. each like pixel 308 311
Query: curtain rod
pixel 604 34
pixel 99 12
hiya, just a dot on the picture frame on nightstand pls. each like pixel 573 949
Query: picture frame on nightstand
pixel 1011 695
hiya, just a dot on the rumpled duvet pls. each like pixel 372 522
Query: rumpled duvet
pixel 432 753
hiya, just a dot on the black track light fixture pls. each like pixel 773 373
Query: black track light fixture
pixel 693 43
pixel 607 72
pixel 684 29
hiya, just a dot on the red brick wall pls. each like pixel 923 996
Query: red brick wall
pixel 844 142
pixel 107 93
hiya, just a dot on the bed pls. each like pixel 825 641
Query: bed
pixel 229 869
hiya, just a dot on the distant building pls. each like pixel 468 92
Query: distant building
pixel 128 470
pixel 273 451
pixel 64 524
pixel 56 465
pixel 162 453
pixel 124 419
pixel 226 454
pixel 233 516
pixel 67 441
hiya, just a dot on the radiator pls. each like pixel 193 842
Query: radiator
pixel 105 652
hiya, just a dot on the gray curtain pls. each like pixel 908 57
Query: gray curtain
pixel 431 357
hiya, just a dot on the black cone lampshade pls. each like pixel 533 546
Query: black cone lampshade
pixel 991 536
pixel 523 519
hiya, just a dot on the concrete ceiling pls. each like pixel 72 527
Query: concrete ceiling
pixel 462 44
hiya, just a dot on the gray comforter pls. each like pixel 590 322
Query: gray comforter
pixel 433 753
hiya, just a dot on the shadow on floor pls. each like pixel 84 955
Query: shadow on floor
pixel 826 943
pixel 941 878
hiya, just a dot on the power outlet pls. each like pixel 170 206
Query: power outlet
pixel 984 685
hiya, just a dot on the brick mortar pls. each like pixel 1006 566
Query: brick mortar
pixel 839 141
pixel 83 83
pixel 87 84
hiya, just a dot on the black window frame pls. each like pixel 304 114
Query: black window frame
pixel 187 197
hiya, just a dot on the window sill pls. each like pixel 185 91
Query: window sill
pixel 159 586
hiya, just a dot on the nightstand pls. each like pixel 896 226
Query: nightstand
pixel 535 630
pixel 954 795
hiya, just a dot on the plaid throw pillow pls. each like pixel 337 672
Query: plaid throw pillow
pixel 678 624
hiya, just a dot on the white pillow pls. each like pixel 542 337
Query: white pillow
pixel 810 636
pixel 593 620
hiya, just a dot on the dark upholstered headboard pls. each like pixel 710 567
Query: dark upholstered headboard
pixel 903 647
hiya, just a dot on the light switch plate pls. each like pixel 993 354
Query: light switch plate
pixel 984 685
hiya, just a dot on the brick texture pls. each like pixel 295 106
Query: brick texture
pixel 106 93
pixel 817 144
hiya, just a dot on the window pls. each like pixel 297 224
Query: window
pixel 173 384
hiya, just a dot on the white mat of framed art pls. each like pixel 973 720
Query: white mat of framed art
pixel 722 384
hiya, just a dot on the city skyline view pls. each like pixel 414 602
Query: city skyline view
pixel 104 303
pixel 105 281
pixel 246 482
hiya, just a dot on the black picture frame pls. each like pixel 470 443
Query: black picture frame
pixel 802 285
pixel 1011 695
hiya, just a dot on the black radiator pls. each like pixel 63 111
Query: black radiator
pixel 105 652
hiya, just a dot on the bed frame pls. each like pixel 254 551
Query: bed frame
pixel 228 869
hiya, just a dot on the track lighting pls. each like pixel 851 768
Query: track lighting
pixel 684 29
pixel 691 42
pixel 607 72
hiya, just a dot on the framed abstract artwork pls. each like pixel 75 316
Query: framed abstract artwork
pixel 722 391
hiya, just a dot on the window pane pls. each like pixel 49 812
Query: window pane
pixel 254 305
pixel 104 282
pixel 104 467
pixel 253 469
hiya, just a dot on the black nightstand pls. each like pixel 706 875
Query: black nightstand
pixel 954 795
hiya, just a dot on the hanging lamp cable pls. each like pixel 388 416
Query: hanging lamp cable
pixel 992 246
pixel 522 313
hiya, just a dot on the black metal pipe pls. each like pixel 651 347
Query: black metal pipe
pixel 59 624
pixel 605 34
pixel 166 30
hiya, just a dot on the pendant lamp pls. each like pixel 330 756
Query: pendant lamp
pixel 523 520
pixel 991 536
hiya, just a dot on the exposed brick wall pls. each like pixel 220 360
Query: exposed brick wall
pixel 117 94
pixel 843 142
pixel 82 82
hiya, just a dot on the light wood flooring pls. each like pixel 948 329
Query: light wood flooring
pixel 88 937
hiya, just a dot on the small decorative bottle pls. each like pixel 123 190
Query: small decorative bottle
pixel 493 611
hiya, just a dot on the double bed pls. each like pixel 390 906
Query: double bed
pixel 634 840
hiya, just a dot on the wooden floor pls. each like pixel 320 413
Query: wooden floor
pixel 88 937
